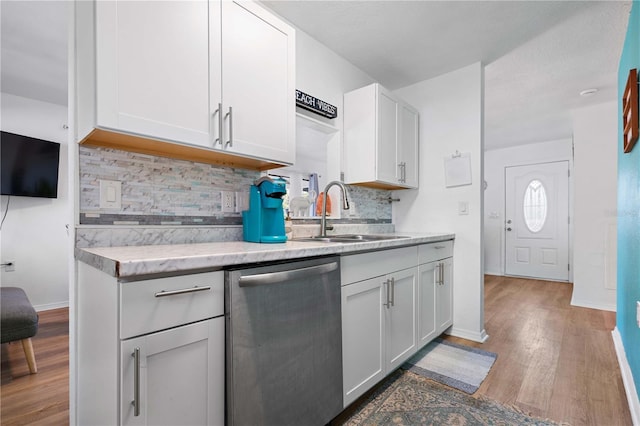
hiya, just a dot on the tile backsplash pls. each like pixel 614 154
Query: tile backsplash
pixel 164 191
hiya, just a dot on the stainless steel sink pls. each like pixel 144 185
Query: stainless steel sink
pixel 349 238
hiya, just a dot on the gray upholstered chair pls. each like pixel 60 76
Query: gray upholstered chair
pixel 19 321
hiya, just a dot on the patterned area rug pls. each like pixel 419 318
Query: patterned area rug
pixel 459 366
pixel 406 398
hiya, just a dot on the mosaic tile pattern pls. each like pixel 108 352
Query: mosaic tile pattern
pixel 156 185
pixel 164 191
pixel 367 203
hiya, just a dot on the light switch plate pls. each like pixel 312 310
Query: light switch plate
pixel 110 194
pixel 463 208
pixel 242 201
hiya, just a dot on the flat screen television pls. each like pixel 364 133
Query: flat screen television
pixel 29 166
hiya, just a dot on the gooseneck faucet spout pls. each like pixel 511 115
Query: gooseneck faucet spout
pixel 345 204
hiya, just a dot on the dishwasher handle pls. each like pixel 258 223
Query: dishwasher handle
pixel 278 277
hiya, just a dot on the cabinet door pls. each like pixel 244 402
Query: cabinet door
pixel 408 136
pixel 387 164
pixel 181 376
pixel 444 303
pixel 363 337
pixel 400 317
pixel 152 67
pixel 427 303
pixel 258 83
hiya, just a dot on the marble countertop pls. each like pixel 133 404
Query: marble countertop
pixel 132 261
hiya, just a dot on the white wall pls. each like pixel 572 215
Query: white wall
pixel 322 73
pixel 34 234
pixel 595 200
pixel 494 163
pixel 451 118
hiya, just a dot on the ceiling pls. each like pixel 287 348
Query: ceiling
pixel 538 54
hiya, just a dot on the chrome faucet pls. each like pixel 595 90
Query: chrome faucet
pixel 345 204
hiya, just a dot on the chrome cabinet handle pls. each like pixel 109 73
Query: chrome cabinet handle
pixel 220 125
pixel 278 277
pixel 403 171
pixel 441 274
pixel 230 115
pixel 136 382
pixel 195 289
pixel 387 283
pixel 439 247
pixel 393 291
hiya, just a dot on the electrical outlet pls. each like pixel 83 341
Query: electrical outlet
pixel 242 201
pixel 10 265
pixel 227 201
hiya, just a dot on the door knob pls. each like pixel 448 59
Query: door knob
pixel 508 229
pixel 509 221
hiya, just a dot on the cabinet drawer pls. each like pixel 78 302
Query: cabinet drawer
pixel 157 304
pixel 435 251
pixel 359 267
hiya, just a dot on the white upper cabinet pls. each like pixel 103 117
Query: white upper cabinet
pixel 152 73
pixel 380 139
pixel 258 82
pixel 218 75
pixel 408 137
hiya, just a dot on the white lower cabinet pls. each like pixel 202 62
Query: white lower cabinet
pixel 400 317
pixel 363 337
pixel 378 316
pixel 174 376
pixel 150 352
pixel 393 303
pixel 435 290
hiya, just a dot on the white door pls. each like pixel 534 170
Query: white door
pixel 387 167
pixel 537 221
pixel 152 69
pixel 408 129
pixel 363 336
pixel 444 295
pixel 427 303
pixel 258 83
pixel 401 318
pixel 178 375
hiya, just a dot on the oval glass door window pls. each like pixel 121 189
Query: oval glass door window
pixel 534 206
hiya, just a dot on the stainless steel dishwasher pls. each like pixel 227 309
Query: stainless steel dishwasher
pixel 284 343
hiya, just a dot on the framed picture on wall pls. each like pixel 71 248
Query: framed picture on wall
pixel 630 112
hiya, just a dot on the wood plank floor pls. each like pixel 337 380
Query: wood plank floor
pixel 554 361
pixel 41 398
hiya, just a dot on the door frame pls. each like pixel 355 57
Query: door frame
pixel 503 237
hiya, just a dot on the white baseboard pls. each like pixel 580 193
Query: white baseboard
pixel 475 336
pixel 49 306
pixel 592 305
pixel 497 274
pixel 627 378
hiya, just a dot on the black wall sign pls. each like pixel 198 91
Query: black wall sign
pixel 316 105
